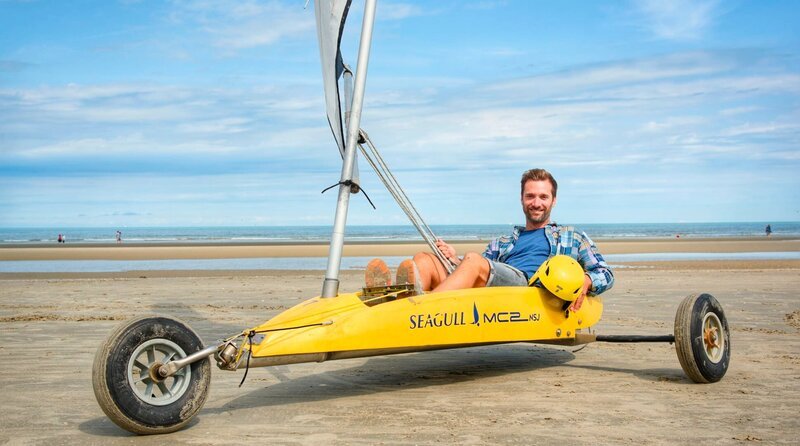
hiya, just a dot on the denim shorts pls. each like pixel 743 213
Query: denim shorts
pixel 501 274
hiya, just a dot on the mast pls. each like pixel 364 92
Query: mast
pixel 330 286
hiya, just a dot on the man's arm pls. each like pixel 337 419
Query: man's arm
pixel 597 270
pixel 599 276
pixel 577 303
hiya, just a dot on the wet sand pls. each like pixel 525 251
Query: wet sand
pixel 236 250
pixel 51 325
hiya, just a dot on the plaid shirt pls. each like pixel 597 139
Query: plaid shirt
pixel 563 240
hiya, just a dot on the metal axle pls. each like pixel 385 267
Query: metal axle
pixel 635 338
pixel 588 338
pixel 172 367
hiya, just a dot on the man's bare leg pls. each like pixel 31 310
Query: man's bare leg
pixel 431 270
pixel 472 272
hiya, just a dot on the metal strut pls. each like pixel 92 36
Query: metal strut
pixel 330 286
pixel 382 170
pixel 636 338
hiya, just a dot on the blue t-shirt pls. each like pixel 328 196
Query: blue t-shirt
pixel 530 251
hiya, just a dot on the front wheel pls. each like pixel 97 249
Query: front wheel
pixel 126 382
pixel 702 338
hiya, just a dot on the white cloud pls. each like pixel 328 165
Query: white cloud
pixel 618 114
pixel 129 104
pixel 628 108
pixel 678 19
pixel 486 4
pixel 83 147
pixel 766 128
pixel 216 126
pixel 728 86
pixel 626 72
pixel 153 126
pixel 739 110
pixel 235 24
pixel 132 146
pixel 653 83
pixel 398 11
pixel 671 123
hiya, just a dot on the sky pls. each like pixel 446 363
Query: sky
pixel 197 113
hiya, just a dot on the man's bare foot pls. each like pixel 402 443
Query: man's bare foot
pixel 377 274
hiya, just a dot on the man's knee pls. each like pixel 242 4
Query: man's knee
pixel 476 267
pixel 421 257
pixel 425 261
pixel 472 257
pixel 428 264
pixel 475 260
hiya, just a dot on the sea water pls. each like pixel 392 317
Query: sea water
pixel 375 234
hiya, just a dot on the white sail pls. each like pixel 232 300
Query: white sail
pixel 331 16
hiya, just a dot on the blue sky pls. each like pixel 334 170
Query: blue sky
pixel 169 113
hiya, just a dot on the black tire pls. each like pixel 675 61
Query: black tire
pixel 702 338
pixel 134 400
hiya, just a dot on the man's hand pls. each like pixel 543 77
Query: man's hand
pixel 448 251
pixel 587 283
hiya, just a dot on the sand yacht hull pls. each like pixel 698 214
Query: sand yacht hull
pixel 347 326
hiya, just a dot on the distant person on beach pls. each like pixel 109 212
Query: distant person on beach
pixel 768 230
pixel 60 238
pixel 510 260
pixel 119 237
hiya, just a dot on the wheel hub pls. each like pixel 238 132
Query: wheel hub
pixel 713 337
pixel 710 337
pixel 154 373
pixel 145 378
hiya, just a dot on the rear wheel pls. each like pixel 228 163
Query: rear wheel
pixel 702 338
pixel 126 382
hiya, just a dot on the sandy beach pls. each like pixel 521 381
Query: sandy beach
pixel 51 325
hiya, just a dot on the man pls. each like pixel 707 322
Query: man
pixel 511 260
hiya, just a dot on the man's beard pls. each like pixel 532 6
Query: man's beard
pixel 545 216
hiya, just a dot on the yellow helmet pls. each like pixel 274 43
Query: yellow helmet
pixel 561 275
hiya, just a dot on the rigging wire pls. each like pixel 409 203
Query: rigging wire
pixel 249 354
pixel 393 186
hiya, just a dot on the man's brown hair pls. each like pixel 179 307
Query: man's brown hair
pixel 538 175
